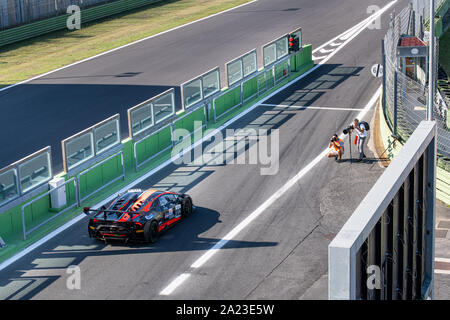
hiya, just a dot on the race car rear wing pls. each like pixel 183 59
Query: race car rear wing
pixel 88 211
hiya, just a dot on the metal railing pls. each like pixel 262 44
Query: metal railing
pixel 272 68
pixel 122 176
pixel 385 250
pixel 138 164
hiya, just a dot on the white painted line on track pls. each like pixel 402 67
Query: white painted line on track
pixel 318 58
pixel 346 35
pixel 174 284
pixel 326 51
pixel 124 46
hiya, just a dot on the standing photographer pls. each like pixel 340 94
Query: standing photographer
pixel 361 135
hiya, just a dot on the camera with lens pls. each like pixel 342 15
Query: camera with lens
pixel 348 130
pixel 333 139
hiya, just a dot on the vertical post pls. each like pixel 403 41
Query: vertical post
pixel 373 260
pixel 431 66
pixel 430 217
pixel 407 240
pixel 395 100
pixel 415 230
pixel 383 55
pixel 396 258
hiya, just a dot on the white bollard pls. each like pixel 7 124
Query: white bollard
pixel 58 196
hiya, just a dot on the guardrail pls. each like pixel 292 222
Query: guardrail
pixel 46 194
pixel 385 250
pixel 42 27
pixel 235 96
pixel 103 185
pixel 157 150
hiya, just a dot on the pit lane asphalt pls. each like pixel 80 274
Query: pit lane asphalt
pixel 282 255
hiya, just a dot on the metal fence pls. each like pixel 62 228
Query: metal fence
pixel 406 97
pixel 422 9
pixel 385 251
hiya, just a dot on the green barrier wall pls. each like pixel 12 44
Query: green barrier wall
pixel 59 23
pixel 154 144
pixel 188 122
pixel 250 88
pixel 10 222
pixel 100 175
pixel 37 212
pixel 228 100
pixel 281 71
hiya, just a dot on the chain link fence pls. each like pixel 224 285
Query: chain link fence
pixel 406 95
pixel 18 12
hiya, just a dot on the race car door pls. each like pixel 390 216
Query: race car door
pixel 169 207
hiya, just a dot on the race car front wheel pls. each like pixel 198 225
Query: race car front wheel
pixel 151 231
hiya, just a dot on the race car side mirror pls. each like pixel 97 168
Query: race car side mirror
pixel 86 210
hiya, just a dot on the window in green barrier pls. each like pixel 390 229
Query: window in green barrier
pixel 270 54
pixel 107 135
pixel 163 106
pixel 140 118
pixel 275 50
pixel 234 72
pixel 35 171
pixel 9 188
pixel 249 63
pixel 79 149
pixel 192 92
pixel 90 142
pixel 211 83
pixel 282 48
pixel 241 67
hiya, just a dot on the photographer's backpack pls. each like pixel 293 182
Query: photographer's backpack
pixel 366 125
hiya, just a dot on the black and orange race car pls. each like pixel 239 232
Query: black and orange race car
pixel 138 215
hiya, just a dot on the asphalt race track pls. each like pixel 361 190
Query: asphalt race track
pixel 282 253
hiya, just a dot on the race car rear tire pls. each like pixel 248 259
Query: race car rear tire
pixel 151 231
pixel 187 208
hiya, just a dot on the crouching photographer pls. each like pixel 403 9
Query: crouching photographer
pixel 337 146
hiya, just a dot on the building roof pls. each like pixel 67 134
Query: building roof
pixel 409 41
